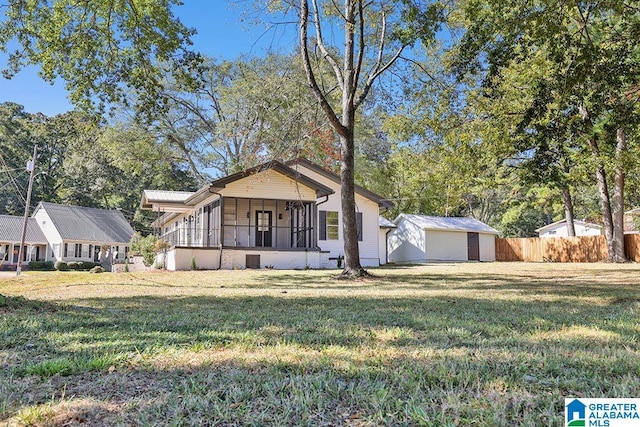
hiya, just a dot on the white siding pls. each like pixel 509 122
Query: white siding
pixel 269 185
pixel 561 230
pixel 369 246
pixel 51 233
pixel 446 245
pixel 487 247
pixel 406 243
pixel 382 245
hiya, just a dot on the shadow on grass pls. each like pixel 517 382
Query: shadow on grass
pixel 389 360
pixel 116 325
pixel 624 284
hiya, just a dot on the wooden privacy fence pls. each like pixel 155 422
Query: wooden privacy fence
pixel 563 249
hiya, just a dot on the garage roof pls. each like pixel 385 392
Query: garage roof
pixel 447 223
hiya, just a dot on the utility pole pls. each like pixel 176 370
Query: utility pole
pixel 31 166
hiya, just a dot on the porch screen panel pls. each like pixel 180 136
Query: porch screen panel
pixel 212 223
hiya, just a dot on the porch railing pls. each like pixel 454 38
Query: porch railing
pixel 283 237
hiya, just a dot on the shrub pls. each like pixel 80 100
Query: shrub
pixel 36 265
pixel 97 269
pixel 145 246
pixel 86 265
pixel 61 266
pixel 49 265
pixel 74 265
pixel 193 263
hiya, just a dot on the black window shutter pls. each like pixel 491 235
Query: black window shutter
pixel 323 226
pixel 359 225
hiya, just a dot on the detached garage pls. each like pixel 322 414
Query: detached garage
pixel 421 238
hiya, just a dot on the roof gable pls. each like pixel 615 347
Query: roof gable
pixel 335 178
pixel 11 230
pixel 321 190
pixel 88 224
pixel 447 223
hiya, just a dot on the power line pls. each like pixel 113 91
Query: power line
pixel 12 180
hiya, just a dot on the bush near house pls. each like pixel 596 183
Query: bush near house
pixel 61 266
pixel 41 266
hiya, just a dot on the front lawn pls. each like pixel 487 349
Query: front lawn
pixel 498 344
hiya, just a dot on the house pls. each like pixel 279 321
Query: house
pixel 273 215
pixel 385 227
pixel 35 248
pixel 632 221
pixel 560 229
pixel 76 233
pixel 421 238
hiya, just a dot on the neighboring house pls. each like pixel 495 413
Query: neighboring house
pixel 632 221
pixel 421 238
pixel 273 215
pixel 76 233
pixel 35 248
pixel 385 227
pixel 560 229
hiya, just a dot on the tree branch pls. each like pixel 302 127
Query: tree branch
pixel 324 104
pixel 325 53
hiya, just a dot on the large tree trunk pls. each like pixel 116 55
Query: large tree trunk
pixel 605 200
pixel 568 211
pixel 352 267
pixel 612 219
pixel 617 211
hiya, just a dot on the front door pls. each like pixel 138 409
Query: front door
pixel 473 246
pixel 264 233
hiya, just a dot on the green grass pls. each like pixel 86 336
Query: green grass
pixel 438 345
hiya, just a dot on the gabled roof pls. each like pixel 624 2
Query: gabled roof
pixel 443 223
pixel 385 223
pixel 11 230
pixel 321 190
pixel 88 224
pixel 563 221
pixel 184 200
pixel 335 178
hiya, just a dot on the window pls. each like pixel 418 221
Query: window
pixel 78 250
pixel 359 225
pixel 66 250
pixel 329 225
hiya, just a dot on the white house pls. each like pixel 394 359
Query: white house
pixel 35 248
pixel 560 229
pixel 385 228
pixel 76 233
pixel 273 215
pixel 421 238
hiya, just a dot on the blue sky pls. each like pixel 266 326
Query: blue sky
pixel 221 34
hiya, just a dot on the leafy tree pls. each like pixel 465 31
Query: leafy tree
pixel 375 35
pixel 589 88
pixel 102 49
pixel 16 148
